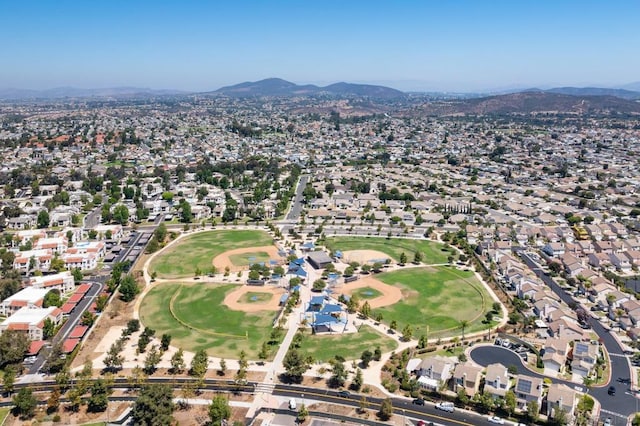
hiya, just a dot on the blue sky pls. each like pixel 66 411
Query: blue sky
pixel 411 45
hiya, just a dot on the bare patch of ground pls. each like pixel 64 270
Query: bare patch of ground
pixel 223 260
pixel 364 256
pixel 232 300
pixel 390 294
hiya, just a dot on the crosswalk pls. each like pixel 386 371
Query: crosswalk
pixel 265 388
pixel 611 413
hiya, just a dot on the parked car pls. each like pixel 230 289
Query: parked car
pixel 496 420
pixel 445 406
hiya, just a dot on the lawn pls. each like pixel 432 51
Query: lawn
pixel 211 325
pixel 437 297
pixel 433 252
pixel 323 347
pixel 256 297
pixel 4 412
pixel 198 250
pixel 251 258
pixel 365 293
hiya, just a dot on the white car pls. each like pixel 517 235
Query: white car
pixel 496 420
pixel 445 406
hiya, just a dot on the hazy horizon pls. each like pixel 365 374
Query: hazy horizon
pixel 455 46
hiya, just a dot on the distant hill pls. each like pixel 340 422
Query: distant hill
pixel 280 87
pixel 595 91
pixel 528 103
pixel 74 92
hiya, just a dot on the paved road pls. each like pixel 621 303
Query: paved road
pixel 296 204
pixel 622 404
pixel 92 218
pixel 72 321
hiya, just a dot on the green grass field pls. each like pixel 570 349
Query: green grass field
pixel 256 297
pixel 433 253
pixel 437 297
pixel 365 293
pixel 323 347
pixel 198 250
pixel 201 306
pixel 246 259
pixel 4 412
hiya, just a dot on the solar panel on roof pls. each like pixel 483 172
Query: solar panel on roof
pixel 524 386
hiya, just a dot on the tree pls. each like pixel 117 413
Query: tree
pixel 393 325
pixel 356 384
pixel 77 275
pixel 154 406
pixel 9 379
pixel 25 403
pixel 99 399
pixel 151 360
pixel 510 402
pixel 101 302
pixel 57 264
pixel 303 413
pixel 407 332
pixel 165 341
pixel 463 325
pixel 185 212
pixel 177 362
pixel 13 346
pixel 219 410
pixel 223 367
pixel 560 417
pixel 377 354
pixel 128 288
pixel 386 409
pixel 295 365
pixel 113 360
pixel 121 214
pixel 87 318
pixel 338 372
pixel 366 358
pixel 365 309
pixel 319 285
pixel 43 219
pixel 53 402
pixel 417 257
pixel 48 329
pixel 199 364
pixel 533 410
pixel 52 299
pixel 403 258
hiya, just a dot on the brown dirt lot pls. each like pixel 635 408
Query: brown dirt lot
pixel 223 260
pixel 364 256
pixel 232 300
pixel 390 294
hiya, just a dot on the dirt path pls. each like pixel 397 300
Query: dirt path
pixel 390 294
pixel 364 256
pixel 223 260
pixel 232 299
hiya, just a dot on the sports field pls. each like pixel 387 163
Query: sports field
pixel 323 347
pixel 197 251
pixel 433 252
pixel 366 293
pixel 437 297
pixel 198 319
pixel 256 297
pixel 250 258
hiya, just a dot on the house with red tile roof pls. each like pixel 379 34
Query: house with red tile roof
pixel 27 297
pixel 62 282
pixel 31 321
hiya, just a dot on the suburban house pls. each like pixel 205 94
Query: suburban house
pixel 467 376
pixel 561 397
pixel 528 389
pixel 584 358
pixel 555 355
pixel 496 380
pixel 434 372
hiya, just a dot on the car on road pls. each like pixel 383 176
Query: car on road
pixel 344 394
pixel 612 390
pixel 445 406
pixel 496 420
pixel 418 401
pixel 624 380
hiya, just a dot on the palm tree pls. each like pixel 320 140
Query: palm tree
pixel 463 324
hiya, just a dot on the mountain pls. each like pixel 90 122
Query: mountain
pixel 280 87
pixel 74 92
pixel 529 103
pixel 595 91
pixel 635 86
